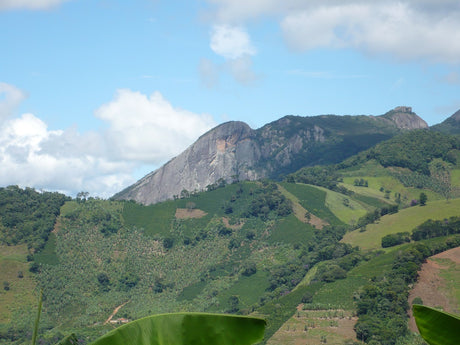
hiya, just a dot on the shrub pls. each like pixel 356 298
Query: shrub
pixel 395 239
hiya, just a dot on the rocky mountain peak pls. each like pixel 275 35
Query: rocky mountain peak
pixel 404 118
pixel 456 116
pixel 221 153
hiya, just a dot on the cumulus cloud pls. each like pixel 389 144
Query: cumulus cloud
pixel 148 128
pixel 231 42
pixel 405 29
pixel 234 44
pixel 140 130
pixel 29 4
pixel 397 29
pixel 31 155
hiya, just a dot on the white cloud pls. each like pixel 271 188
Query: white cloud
pixel 149 129
pixel 396 29
pixel 234 44
pixel 29 4
pixel 27 160
pixel 404 29
pixel 140 130
pixel 10 98
pixel 231 42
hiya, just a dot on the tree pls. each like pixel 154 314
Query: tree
pixel 104 281
pixel 190 205
pixel 82 196
pixel 168 242
pixel 233 302
pixel 423 198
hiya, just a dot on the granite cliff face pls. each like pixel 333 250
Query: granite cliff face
pixel 222 153
pixel 234 151
pixel 404 118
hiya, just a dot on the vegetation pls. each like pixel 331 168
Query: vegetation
pixel 27 216
pixel 403 221
pixel 382 305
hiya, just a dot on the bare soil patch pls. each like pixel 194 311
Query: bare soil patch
pixel 315 327
pixel 185 213
pixel 431 287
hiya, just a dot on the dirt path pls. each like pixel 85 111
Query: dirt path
pixel 430 286
pixel 115 311
pixel 300 211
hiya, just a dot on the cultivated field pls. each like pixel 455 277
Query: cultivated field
pixel 405 220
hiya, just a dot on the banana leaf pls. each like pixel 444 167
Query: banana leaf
pixel 437 327
pixel 187 328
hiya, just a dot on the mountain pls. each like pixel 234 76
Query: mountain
pixel 449 126
pixel 233 151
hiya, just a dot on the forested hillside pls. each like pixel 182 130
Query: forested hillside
pixel 419 159
pixel 27 216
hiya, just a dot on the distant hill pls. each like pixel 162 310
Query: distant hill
pixel 233 151
pixel 396 170
pixel 450 126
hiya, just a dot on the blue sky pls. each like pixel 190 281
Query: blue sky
pixel 95 94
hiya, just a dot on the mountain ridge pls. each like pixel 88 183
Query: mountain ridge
pixel 233 151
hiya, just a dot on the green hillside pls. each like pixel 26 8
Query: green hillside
pixel 403 221
pixel 399 168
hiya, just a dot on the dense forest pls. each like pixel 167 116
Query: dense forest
pixel 28 216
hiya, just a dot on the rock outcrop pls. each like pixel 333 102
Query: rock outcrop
pixel 224 152
pixel 404 118
pixel 233 151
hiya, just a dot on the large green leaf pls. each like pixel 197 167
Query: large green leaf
pixel 437 327
pixel 187 328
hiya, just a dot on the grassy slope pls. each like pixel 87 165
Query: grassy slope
pixel 313 199
pixel 450 272
pixel 388 183
pixel 21 294
pixel 455 177
pixel 405 220
pixel 336 203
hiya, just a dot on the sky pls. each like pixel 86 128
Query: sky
pixel 94 94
